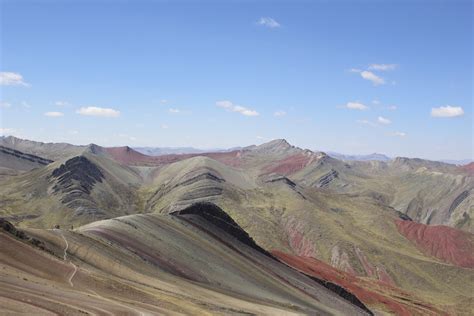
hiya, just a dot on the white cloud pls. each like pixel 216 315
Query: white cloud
pixel 7 131
pixel 61 103
pixel 356 106
pixel 12 79
pixel 163 101
pixel 367 122
pixel 382 67
pixel 128 137
pixel 447 111
pixel 73 132
pixel 5 105
pixel 392 107
pixel 236 108
pixel 368 75
pixel 164 126
pixel 174 110
pixel 279 113
pixel 97 111
pixel 399 134
pixel 383 120
pixel 376 102
pixel 268 22
pixel 54 114
pixel 355 70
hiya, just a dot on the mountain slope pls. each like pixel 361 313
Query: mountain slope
pixel 290 200
pixel 182 263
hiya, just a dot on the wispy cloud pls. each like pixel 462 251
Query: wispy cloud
pixel 61 103
pixel 12 79
pixel 356 106
pixel 369 75
pixel 174 110
pixel 98 111
pixel 367 122
pixel 128 137
pixel 164 126
pixel 54 114
pixel 7 131
pixel 382 67
pixel 399 134
pixel 279 113
pixel 392 107
pixel 447 111
pixel 383 120
pixel 5 105
pixel 229 106
pixel 268 22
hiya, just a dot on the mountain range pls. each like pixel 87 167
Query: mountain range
pixel 268 229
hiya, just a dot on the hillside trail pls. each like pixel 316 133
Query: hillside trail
pixel 65 257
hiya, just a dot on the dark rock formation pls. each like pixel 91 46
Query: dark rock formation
pixel 215 215
pixel 77 173
pixel 327 178
pixel 21 155
pixel 458 200
pixel 342 292
pixel 75 180
pixel 9 228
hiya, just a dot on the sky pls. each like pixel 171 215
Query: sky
pixel 355 77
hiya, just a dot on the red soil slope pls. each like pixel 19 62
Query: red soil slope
pixel 469 168
pixel 373 293
pixel 445 243
pixel 290 164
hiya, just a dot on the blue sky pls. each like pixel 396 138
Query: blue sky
pixel 348 76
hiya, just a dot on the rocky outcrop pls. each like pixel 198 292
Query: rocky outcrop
pixel 215 215
pixel 77 173
pixel 23 156
pixel 458 200
pixel 9 228
pixel 74 181
pixel 326 179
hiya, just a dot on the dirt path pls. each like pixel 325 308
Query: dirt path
pixel 65 258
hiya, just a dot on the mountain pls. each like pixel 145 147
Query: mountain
pixel 374 157
pixel 395 234
pixel 195 261
pixel 51 151
pixel 160 151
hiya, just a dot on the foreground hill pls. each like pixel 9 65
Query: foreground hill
pixel 377 222
pixel 197 261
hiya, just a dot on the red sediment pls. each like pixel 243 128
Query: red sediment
pixel 469 168
pixel 368 267
pixel 384 276
pixel 370 292
pixel 445 243
pixel 290 164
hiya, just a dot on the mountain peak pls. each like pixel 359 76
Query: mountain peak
pixel 281 143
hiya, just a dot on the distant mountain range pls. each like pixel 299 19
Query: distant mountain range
pixel 160 151
pixel 374 156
